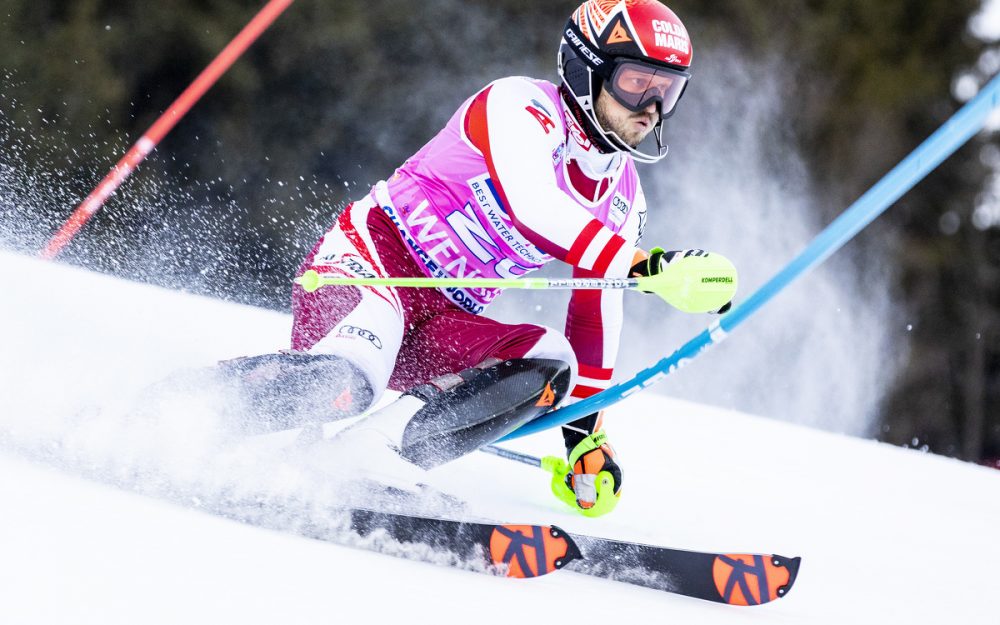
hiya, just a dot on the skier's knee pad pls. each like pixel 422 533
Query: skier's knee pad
pixel 553 345
pixel 477 406
pixel 287 389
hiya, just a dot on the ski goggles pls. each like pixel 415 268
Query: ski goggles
pixel 636 85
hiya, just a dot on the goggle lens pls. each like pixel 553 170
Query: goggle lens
pixel 637 85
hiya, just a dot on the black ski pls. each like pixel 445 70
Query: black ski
pixel 518 550
pixel 512 550
pixel 533 550
pixel 736 579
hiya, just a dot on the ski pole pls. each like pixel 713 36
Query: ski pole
pixel 148 142
pixel 955 133
pixel 552 465
pixel 512 455
pixel 694 284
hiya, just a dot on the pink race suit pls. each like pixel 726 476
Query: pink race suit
pixel 510 184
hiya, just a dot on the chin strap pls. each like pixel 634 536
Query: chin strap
pixel 608 143
pixel 595 136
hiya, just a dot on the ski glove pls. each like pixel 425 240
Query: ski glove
pixel 659 258
pixel 591 481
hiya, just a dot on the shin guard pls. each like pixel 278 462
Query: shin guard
pixel 288 389
pixel 464 411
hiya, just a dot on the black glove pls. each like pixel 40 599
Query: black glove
pixel 659 258
pixel 575 431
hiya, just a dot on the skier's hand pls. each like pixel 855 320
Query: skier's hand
pixel 653 262
pixel 591 481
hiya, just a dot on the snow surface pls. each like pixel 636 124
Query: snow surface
pixel 887 535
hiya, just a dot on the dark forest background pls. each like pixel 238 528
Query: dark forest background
pixel 338 93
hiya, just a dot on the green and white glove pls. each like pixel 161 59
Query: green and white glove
pixel 591 481
pixel 659 258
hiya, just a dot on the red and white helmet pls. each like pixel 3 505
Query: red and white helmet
pixel 637 50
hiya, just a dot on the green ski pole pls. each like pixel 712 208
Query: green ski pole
pixel 694 284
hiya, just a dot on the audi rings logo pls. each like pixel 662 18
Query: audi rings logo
pixel 362 333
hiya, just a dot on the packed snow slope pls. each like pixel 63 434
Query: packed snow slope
pixel 101 521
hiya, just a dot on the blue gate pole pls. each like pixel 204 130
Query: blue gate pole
pixel 955 133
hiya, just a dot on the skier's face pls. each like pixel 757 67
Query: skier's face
pixel 632 127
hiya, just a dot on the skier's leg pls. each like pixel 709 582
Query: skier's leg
pixel 362 325
pixel 453 340
pixel 344 339
pixel 286 389
pixel 455 414
pixel 522 372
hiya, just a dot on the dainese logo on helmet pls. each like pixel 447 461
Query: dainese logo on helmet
pixel 583 48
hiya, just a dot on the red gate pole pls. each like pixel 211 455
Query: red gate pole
pixel 148 142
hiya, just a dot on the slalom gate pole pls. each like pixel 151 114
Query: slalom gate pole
pixel 148 142
pixel 962 126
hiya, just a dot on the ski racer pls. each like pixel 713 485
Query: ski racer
pixel 525 173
